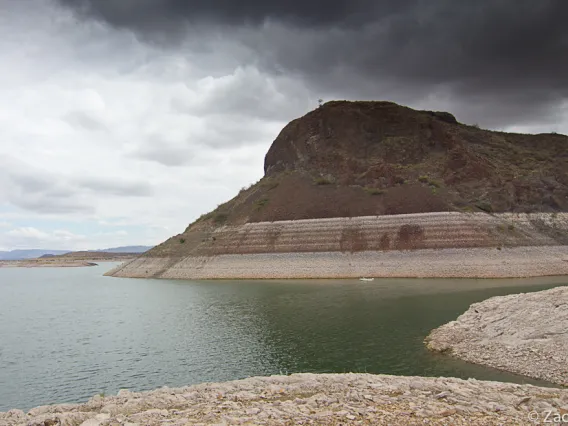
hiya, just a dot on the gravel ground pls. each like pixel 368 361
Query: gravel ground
pixel 523 333
pixel 303 399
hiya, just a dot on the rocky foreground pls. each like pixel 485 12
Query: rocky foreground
pixel 329 399
pixel 521 333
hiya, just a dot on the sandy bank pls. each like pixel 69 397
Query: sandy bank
pixel 429 263
pixel 521 333
pixel 45 264
pixel 334 399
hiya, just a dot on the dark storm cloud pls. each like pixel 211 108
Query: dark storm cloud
pixel 164 14
pixel 487 56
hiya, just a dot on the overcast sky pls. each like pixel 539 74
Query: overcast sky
pixel 123 121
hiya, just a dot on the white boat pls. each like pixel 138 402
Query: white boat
pixel 366 279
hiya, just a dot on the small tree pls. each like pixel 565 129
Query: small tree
pixel 320 102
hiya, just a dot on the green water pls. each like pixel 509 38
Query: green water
pixel 69 333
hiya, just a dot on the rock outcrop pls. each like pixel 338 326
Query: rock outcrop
pixel 359 179
pixel 521 333
pixel 329 399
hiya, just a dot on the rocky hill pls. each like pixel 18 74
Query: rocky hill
pixel 353 177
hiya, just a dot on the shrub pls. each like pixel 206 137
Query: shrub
pixel 182 240
pixel 322 181
pixel 429 181
pixel 374 191
pixel 270 183
pixel 220 218
pixel 261 203
pixel 399 180
pixel 485 206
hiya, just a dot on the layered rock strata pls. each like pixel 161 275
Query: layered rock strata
pixel 445 244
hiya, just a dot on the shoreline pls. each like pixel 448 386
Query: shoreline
pixel 59 264
pixel 477 262
pixel 521 333
pixel 40 263
pixel 321 399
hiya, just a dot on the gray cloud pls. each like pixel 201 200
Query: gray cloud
pixel 116 186
pixel 38 191
pixel 157 150
pixel 202 144
pixel 45 192
pixel 84 120
pixel 498 62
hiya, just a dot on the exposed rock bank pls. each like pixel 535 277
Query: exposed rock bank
pixel 335 399
pixel 522 333
pixel 517 262
pixel 442 244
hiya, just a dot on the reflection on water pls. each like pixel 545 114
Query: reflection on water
pixel 69 333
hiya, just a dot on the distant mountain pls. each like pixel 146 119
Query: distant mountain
pixel 127 249
pixel 28 254
pixel 37 253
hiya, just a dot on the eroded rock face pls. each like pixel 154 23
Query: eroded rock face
pixel 382 145
pixel 521 333
pixel 329 399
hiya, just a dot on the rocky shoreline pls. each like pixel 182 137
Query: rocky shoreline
pixel 438 244
pixel 316 399
pixel 522 333
pixel 513 262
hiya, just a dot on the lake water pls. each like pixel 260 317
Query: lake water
pixel 67 334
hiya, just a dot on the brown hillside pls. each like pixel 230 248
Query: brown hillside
pixel 366 158
pixel 350 159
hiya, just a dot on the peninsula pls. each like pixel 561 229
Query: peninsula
pixel 68 260
pixel 376 189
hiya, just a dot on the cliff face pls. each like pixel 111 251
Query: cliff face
pixel 383 145
pixel 361 176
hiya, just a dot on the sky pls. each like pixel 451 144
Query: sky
pixel 123 121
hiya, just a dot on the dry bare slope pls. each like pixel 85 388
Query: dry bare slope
pixel 377 178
